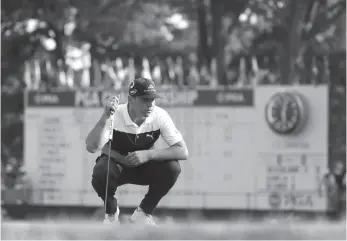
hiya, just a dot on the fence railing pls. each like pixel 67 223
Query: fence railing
pixel 81 71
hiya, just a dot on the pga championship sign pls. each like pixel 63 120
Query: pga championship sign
pixel 262 148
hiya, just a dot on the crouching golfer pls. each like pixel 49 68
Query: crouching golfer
pixel 137 125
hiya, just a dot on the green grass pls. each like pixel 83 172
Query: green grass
pixel 38 230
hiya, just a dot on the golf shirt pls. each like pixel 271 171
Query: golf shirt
pixel 129 137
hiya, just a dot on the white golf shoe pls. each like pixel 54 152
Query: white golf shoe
pixel 140 217
pixel 112 220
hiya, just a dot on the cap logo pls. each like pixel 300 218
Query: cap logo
pixel 150 88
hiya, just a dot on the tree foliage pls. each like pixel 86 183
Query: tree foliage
pixel 297 28
pixel 292 31
pixel 122 26
pixel 220 29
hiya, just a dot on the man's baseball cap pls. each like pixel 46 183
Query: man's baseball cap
pixel 144 88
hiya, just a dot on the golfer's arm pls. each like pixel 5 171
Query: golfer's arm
pixel 99 135
pixel 114 154
pixel 178 151
pixel 118 157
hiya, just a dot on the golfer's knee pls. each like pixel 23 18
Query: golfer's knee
pixel 100 169
pixel 98 186
pixel 174 169
pixel 100 173
pixel 166 175
pixel 170 171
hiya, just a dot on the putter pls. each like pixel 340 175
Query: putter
pixel 109 157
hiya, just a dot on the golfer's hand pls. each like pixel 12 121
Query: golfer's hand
pixel 137 158
pixel 112 103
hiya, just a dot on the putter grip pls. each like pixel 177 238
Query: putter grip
pixel 111 126
pixel 111 122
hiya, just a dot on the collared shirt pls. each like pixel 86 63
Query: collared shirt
pixel 129 137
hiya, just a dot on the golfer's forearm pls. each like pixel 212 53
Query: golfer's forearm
pixel 170 153
pixel 114 154
pixel 118 157
pixel 98 136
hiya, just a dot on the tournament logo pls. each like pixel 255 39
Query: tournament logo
pixel 286 113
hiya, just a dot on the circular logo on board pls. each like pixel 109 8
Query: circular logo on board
pixel 286 113
pixel 275 200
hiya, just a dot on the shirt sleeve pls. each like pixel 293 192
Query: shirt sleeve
pixel 168 130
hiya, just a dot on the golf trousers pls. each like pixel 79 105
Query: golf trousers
pixel 160 176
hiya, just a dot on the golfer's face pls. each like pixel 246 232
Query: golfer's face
pixel 144 106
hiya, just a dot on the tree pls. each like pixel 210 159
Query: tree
pixel 109 26
pixel 27 26
pixel 292 30
pixel 216 19
pixel 299 29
